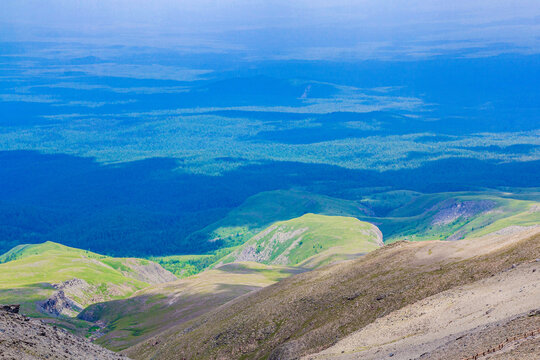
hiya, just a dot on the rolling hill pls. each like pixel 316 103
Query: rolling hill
pixel 266 208
pixel 309 241
pixel 450 216
pixel 296 287
pixel 253 216
pixel 399 215
pixel 54 280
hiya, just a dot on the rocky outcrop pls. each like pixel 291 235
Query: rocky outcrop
pixel 73 295
pixel 149 272
pixel 14 309
pixel 262 251
pixel 22 338
pixel 377 234
pixel 60 304
pixel 452 210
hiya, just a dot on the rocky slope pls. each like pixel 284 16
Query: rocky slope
pixel 22 338
pixel 310 312
pixel 457 323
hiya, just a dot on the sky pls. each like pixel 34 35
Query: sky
pixel 283 30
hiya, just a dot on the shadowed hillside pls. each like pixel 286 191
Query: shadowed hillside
pixel 150 311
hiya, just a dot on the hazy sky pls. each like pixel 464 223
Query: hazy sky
pixel 303 29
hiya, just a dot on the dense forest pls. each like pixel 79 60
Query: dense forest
pixel 149 207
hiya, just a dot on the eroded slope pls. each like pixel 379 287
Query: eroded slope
pixel 22 338
pixel 453 324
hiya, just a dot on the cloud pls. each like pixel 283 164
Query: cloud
pixel 280 29
pixel 95 104
pixel 27 98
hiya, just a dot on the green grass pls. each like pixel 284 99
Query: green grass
pixel 310 240
pixel 265 208
pixel 523 217
pixel 188 265
pixel 254 215
pixel 415 220
pixel 27 272
pixel 402 215
pixel 53 263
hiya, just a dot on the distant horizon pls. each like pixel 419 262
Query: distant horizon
pixel 283 30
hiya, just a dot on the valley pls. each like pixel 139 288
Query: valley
pixel 293 288
pixel 269 180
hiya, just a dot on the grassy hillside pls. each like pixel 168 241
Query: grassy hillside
pixel 311 311
pixel 159 307
pixel 283 249
pixel 188 265
pixel 451 216
pixel 309 241
pixel 28 274
pixel 400 215
pixel 265 208
pixel 254 215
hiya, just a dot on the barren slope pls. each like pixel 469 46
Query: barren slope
pixel 429 328
pixel 312 311
pixel 28 339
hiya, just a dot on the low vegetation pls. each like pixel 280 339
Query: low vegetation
pixel 31 274
pixel 309 241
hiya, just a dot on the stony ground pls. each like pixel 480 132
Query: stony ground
pixel 508 339
pixel 22 338
pixel 455 324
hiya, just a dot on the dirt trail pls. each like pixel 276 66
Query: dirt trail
pixel 427 329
